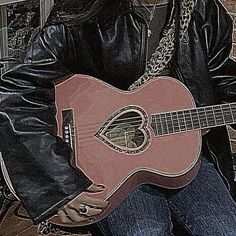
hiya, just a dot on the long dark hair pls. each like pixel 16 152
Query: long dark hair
pixel 79 11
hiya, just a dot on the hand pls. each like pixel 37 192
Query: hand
pixel 83 207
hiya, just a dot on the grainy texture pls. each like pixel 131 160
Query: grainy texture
pixel 14 226
pixel 230 5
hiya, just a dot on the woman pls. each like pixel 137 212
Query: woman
pixel 123 43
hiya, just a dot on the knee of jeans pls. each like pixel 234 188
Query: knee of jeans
pixel 149 232
pixel 220 225
pixel 229 230
pixel 160 229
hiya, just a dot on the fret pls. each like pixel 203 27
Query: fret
pixel 210 116
pixel 202 117
pixel 228 116
pixel 169 123
pixel 154 125
pixel 233 110
pixel 175 120
pixel 195 119
pixel 218 115
pixel 158 124
pixel 182 124
pixel 164 123
pixel 222 114
pixel 188 120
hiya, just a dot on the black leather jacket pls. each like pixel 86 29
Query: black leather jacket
pixel 36 159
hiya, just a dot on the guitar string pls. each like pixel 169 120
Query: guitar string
pixel 93 140
pixel 163 132
pixel 164 119
pixel 161 120
pixel 155 136
pixel 166 127
pixel 180 130
pixel 169 124
pixel 169 127
pixel 195 111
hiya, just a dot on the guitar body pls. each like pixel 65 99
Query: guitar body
pixel 106 121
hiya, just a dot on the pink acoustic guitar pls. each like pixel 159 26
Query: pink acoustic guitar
pixel 124 139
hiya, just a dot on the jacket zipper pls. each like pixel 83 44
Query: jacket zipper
pixel 144 45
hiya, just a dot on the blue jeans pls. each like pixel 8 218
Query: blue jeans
pixel 204 207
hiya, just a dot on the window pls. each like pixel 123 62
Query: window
pixel 20 21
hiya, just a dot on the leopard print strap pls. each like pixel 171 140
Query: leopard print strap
pixel 164 51
pixel 46 227
pixel 159 59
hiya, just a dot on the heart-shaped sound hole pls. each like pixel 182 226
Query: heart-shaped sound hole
pixel 126 130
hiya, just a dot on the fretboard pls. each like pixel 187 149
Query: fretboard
pixel 196 118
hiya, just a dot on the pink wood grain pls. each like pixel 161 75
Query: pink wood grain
pixel 169 161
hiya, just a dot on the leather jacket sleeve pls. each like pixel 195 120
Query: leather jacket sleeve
pixel 216 31
pixel 38 162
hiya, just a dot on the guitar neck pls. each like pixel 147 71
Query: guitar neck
pixel 192 119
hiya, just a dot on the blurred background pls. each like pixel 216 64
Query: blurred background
pixel 20 21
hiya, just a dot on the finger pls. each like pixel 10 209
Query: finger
pixel 94 211
pixel 87 200
pixel 75 217
pixel 94 202
pixel 63 217
pixel 96 188
pixel 85 210
pixel 91 211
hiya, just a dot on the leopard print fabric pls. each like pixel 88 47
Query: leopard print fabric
pixel 46 227
pixel 164 51
pixel 158 61
pixel 186 12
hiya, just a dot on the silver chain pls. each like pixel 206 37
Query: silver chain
pixel 150 12
pixel 150 19
pixel 164 51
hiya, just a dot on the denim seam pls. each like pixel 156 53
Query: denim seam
pixel 169 218
pixel 181 218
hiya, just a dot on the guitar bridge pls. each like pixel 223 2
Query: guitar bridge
pixel 68 129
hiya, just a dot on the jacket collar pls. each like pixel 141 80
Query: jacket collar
pixel 174 31
pixel 181 9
